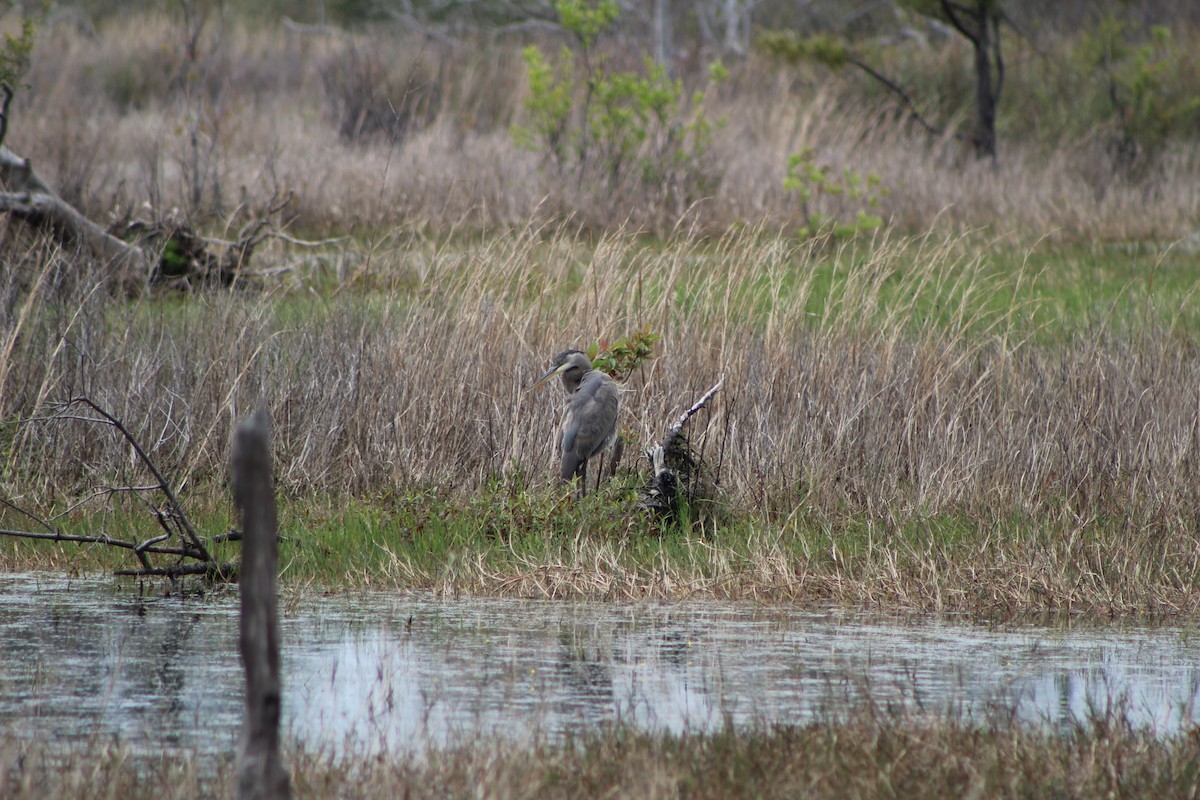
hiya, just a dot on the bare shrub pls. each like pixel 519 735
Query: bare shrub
pixel 372 93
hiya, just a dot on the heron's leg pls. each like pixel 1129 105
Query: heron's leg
pixel 583 478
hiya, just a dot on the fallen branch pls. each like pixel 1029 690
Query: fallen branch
pixel 167 252
pixel 174 571
pixel 171 517
pixel 186 531
pixel 30 199
pixel 137 547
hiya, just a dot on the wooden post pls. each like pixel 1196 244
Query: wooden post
pixel 261 775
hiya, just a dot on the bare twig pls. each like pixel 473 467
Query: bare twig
pixel 105 540
pixel 29 514
pixel 906 100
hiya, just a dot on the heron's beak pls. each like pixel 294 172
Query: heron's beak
pixel 550 373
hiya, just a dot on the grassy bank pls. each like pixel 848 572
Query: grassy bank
pixel 868 755
pixel 905 421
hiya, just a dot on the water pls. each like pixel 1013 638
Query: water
pixel 80 659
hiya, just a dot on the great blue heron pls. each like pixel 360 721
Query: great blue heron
pixel 589 421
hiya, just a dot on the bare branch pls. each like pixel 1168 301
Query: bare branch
pixel 905 100
pixel 171 517
pixel 144 547
pixel 29 514
pixel 106 491
pixel 189 533
pixel 952 11
pixel 673 431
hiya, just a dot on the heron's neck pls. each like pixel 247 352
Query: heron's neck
pixel 572 384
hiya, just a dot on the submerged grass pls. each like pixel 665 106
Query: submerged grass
pixel 862 754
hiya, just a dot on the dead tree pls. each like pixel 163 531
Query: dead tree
pixel 672 462
pixel 261 775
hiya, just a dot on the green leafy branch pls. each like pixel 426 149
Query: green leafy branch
pixel 621 357
pixel 608 124
pixel 1143 100
pixel 807 179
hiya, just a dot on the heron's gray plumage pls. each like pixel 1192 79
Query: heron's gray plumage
pixel 589 421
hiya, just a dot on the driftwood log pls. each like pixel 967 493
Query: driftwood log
pixel 30 199
pixel 261 774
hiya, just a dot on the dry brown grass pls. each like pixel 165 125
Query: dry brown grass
pixel 867 755
pixel 123 120
pixel 861 409
pixel 396 361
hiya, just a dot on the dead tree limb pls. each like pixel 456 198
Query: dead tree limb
pixel 660 495
pixel 168 252
pixel 137 547
pixel 177 536
pixel 29 198
pixel 261 775
pixel 175 571
pixel 185 529
pixel 674 430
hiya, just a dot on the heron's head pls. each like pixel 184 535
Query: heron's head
pixel 570 364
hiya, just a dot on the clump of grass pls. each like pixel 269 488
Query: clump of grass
pixel 865 753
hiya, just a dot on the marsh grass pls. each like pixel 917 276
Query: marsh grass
pixel 904 420
pixel 871 752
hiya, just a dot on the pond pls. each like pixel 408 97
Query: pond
pixel 88 657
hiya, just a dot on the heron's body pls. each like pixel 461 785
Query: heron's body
pixel 589 420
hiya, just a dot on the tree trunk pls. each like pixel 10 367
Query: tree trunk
pixel 986 92
pixel 979 21
pixel 663 51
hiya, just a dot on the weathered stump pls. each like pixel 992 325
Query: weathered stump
pixel 261 775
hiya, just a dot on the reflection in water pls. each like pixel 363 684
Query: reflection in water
pixel 80 659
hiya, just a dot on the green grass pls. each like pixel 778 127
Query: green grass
pixel 544 544
pixel 1049 292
